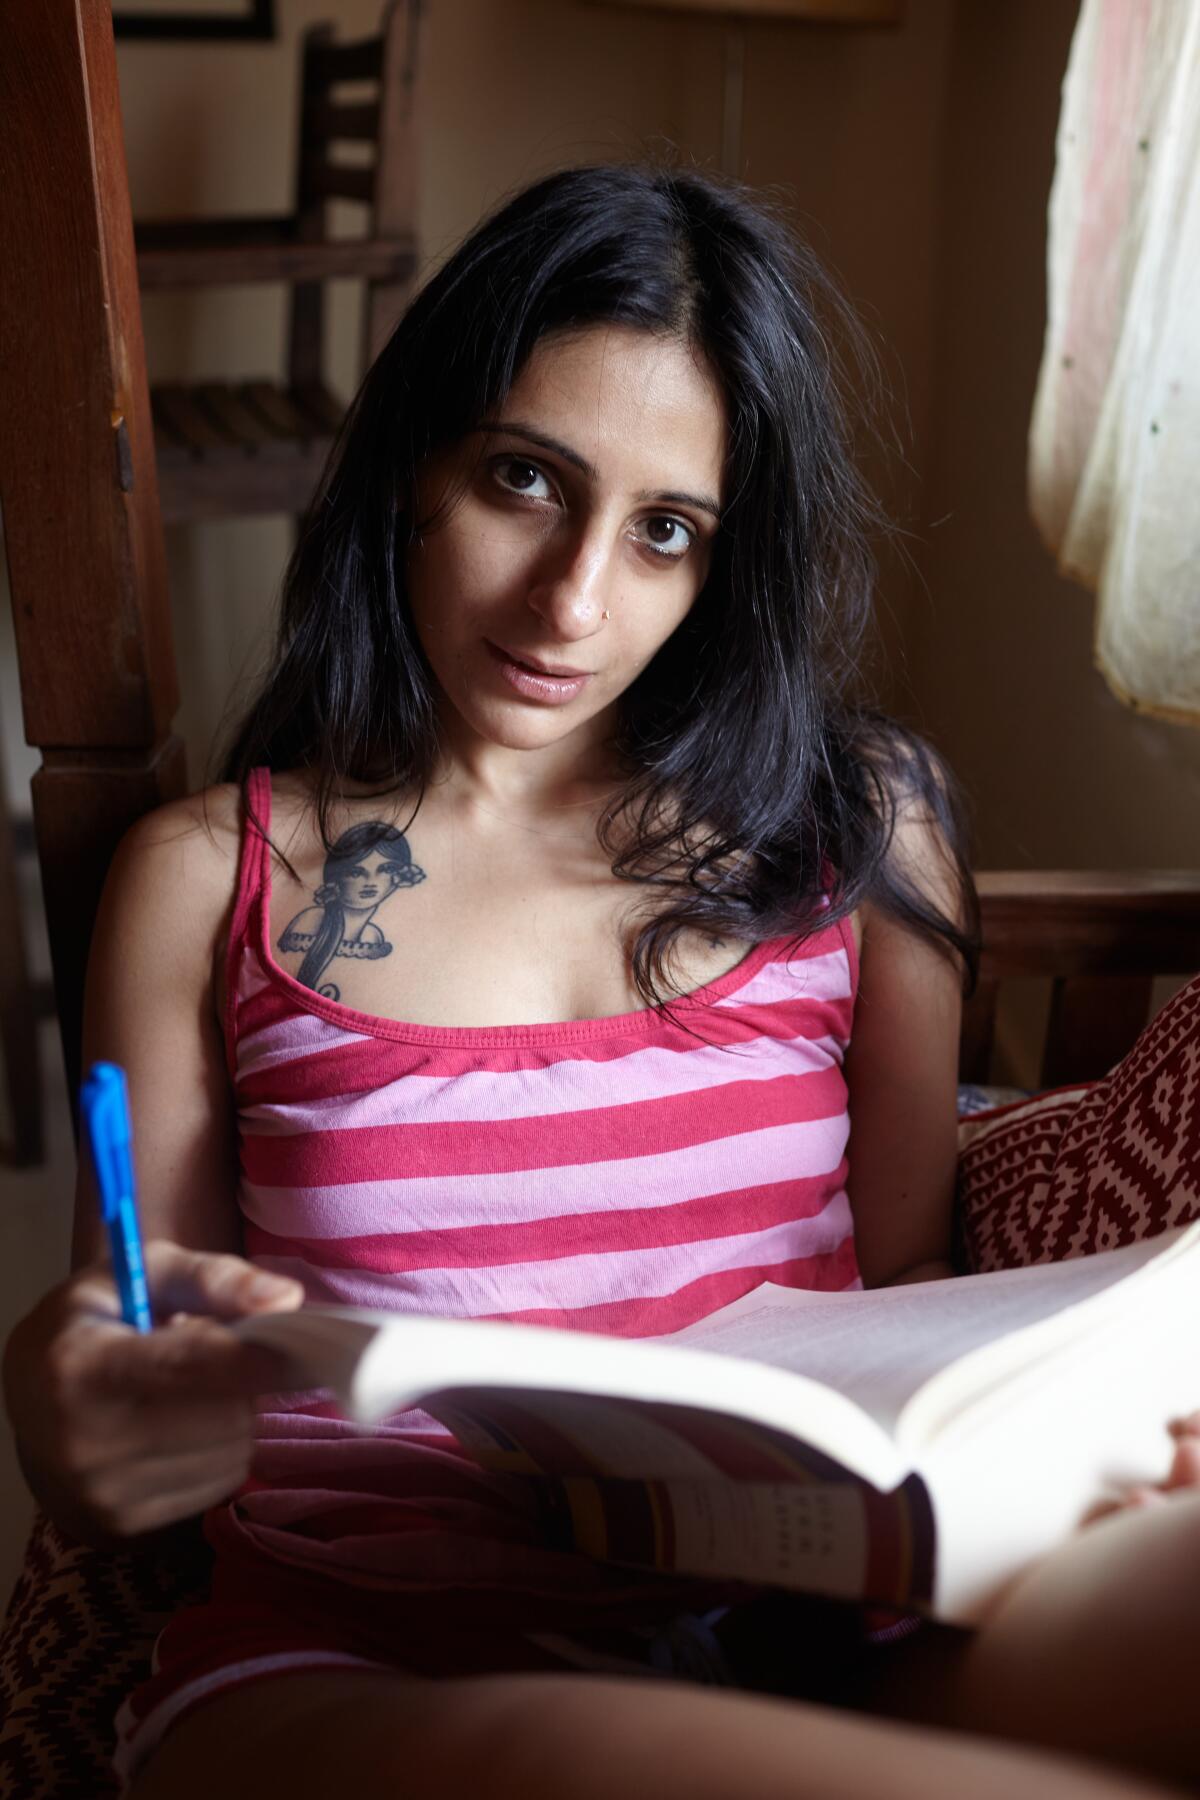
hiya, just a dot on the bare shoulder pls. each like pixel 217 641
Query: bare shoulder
pixel 921 858
pixel 923 861
pixel 180 861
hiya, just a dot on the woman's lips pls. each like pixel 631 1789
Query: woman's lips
pixel 534 682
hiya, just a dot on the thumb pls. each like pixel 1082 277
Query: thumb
pixel 214 1284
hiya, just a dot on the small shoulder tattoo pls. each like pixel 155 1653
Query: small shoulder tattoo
pixel 363 869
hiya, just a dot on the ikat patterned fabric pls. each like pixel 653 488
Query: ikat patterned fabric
pixel 1084 1169
pixel 77 1637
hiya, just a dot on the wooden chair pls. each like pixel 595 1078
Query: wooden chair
pixel 259 446
pixel 21 1011
pixel 85 554
pixel 1099 940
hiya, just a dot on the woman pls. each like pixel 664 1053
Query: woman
pixel 574 618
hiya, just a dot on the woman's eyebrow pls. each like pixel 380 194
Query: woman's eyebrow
pixel 673 497
pixel 513 428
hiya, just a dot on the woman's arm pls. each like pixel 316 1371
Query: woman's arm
pixel 151 1005
pixel 902 1072
pixel 119 1432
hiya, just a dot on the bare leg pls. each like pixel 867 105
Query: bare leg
pixel 580 1737
pixel 1095 1651
pixel 1099 1647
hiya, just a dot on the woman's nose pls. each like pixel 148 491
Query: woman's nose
pixel 571 590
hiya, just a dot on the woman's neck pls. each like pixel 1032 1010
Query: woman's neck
pixel 533 785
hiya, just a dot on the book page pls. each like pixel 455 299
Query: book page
pixel 1025 1461
pixel 879 1348
pixel 832 1373
pixel 575 1402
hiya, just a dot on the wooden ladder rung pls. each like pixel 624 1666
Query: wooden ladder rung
pixel 176 408
pixel 278 406
pixel 239 420
pixel 328 64
pixel 331 122
pixel 320 404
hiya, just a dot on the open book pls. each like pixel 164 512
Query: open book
pixel 915 1446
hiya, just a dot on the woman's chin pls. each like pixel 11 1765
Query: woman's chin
pixel 526 727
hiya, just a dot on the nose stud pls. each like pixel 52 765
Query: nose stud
pixel 605 613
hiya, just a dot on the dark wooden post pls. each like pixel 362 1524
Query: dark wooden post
pixel 77 475
pixel 396 163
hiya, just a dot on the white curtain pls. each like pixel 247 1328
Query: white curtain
pixel 1115 439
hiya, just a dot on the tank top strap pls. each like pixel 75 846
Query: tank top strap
pixel 252 885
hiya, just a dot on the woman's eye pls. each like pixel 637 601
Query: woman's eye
pixel 521 477
pixel 667 537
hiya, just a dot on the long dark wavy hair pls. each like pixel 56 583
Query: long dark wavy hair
pixel 757 783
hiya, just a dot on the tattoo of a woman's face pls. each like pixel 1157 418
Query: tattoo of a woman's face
pixel 366 864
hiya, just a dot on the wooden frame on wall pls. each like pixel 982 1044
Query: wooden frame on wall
pixel 193 19
pixel 809 12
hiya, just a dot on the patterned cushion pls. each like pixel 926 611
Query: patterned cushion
pixel 78 1634
pixel 1088 1168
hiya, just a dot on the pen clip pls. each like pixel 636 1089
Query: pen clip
pixel 105 1107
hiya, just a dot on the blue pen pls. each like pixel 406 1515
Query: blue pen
pixel 104 1103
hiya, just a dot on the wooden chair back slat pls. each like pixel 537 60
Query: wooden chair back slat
pixel 177 410
pixel 1093 1020
pixel 1065 923
pixel 234 413
pixel 332 123
pixel 265 484
pixel 288 419
pixel 978 1033
pixel 401 129
pixel 336 181
pixel 320 406
pixel 274 258
pixel 329 64
pixel 1100 939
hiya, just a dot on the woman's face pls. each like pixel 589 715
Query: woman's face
pixel 581 539
pixel 365 883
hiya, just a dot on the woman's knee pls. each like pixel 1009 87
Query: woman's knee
pixel 1096 1650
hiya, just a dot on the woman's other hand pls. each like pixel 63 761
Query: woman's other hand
pixel 1183 1473
pixel 119 1431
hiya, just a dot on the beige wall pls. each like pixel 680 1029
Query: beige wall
pixel 919 160
pixel 1001 653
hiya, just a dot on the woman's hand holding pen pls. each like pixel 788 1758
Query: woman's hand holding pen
pixel 119 1431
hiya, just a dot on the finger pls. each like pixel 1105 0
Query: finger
pixel 1185 1466
pixel 196 1359
pixel 91 1292
pixel 1136 1499
pixel 139 1435
pixel 214 1283
pixel 1188 1426
pixel 167 1509
pixel 132 1500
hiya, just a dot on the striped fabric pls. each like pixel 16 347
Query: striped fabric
pixel 627 1175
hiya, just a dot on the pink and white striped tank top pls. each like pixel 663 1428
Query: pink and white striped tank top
pixel 626 1175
